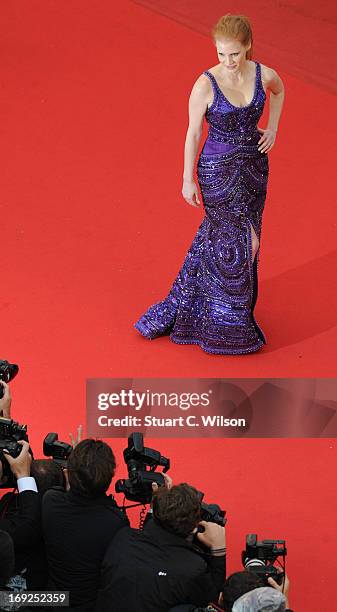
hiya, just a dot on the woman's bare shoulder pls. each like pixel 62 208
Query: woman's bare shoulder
pixel 271 79
pixel 268 75
pixel 202 87
pixel 202 82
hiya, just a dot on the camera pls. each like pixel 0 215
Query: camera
pixel 259 557
pixel 212 513
pixel 11 430
pixel 7 373
pixel 141 464
pixel 59 451
pixel 10 434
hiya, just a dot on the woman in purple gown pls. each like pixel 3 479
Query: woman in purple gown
pixel 212 300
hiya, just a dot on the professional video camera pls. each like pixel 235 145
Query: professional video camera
pixel 7 373
pixel 59 451
pixel 141 463
pixel 259 557
pixel 10 433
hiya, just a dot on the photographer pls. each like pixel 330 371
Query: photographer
pixel 32 563
pixel 21 518
pixel 80 523
pixel 159 567
pixel 244 591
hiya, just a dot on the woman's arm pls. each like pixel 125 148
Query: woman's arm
pixel 199 98
pixel 272 82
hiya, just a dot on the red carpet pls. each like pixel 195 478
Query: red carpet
pixel 94 230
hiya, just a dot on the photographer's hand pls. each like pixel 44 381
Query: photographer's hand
pixel 214 537
pixel 5 401
pixel 20 466
pixel 283 588
pixel 168 483
pixel 75 441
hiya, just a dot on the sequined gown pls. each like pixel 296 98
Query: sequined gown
pixel 212 300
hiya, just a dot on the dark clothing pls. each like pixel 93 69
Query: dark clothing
pixel 154 570
pixel 21 518
pixel 77 532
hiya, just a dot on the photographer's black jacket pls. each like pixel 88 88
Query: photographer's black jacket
pixel 21 518
pixel 77 532
pixel 153 570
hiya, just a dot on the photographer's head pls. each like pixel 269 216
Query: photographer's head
pixel 177 509
pixel 237 585
pixel 246 592
pixel 91 467
pixel 47 474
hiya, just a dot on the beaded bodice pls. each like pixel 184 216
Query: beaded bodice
pixel 233 124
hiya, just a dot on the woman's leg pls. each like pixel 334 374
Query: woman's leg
pixel 255 242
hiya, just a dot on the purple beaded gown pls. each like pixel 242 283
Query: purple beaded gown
pixel 212 300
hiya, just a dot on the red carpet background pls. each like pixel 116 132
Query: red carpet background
pixel 94 229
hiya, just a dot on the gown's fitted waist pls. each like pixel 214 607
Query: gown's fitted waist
pixel 223 143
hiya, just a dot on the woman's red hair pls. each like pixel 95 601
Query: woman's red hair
pixel 236 27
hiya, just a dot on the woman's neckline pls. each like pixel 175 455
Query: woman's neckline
pixel 225 97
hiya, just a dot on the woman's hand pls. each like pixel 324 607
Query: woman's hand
pixel 190 193
pixel 266 141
